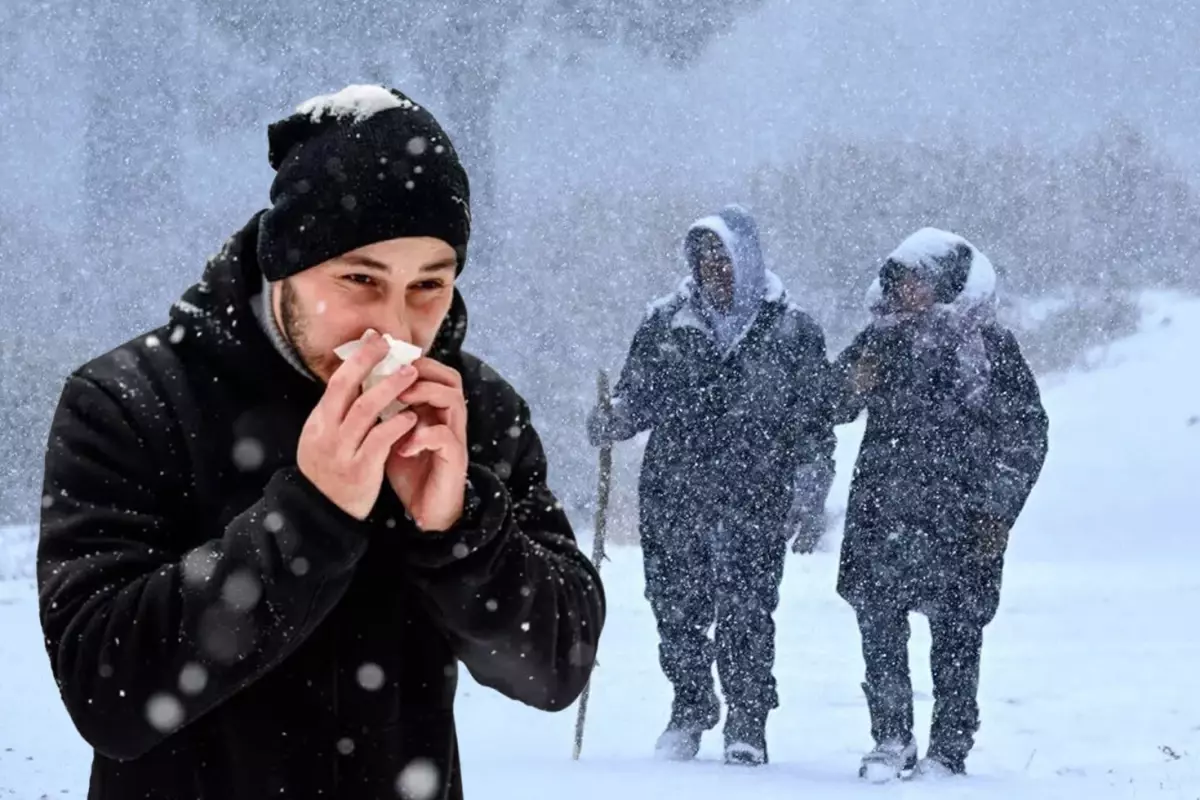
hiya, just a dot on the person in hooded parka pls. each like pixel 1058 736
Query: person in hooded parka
pixel 955 439
pixel 730 378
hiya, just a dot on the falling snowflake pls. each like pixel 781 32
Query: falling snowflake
pixel 164 712
pixel 273 522
pixel 241 591
pixel 370 677
pixel 419 780
pixel 199 564
pixel 417 145
pixel 192 679
pixel 345 745
pixel 491 605
pixel 248 454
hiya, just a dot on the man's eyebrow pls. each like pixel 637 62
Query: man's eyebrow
pixel 438 266
pixel 360 260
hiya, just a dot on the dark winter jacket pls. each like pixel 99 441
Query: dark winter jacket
pixel 731 423
pixel 954 442
pixel 219 629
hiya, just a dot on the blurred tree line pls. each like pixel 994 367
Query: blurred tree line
pixel 160 87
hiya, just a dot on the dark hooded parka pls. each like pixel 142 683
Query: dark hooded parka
pixel 955 439
pixel 736 406
pixel 955 436
pixel 219 629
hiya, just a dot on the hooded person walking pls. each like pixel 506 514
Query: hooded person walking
pixel 257 579
pixel 955 440
pixel 730 378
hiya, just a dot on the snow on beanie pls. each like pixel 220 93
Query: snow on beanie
pixel 364 165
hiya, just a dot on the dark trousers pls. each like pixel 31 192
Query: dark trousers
pixel 723 571
pixel 954 660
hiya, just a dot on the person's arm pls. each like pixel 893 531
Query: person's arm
pixel 641 392
pixel 815 439
pixel 143 637
pixel 521 605
pixel 1021 432
pixel 815 404
pixel 852 376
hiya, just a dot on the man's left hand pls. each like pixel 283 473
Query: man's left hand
pixel 428 467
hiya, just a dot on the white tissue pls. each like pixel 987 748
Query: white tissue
pixel 399 354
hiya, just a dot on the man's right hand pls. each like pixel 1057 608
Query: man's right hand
pixel 343 446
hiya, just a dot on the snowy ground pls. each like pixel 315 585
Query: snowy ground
pixel 1089 670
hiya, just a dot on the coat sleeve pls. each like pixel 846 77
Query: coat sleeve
pixel 642 391
pixel 143 637
pixel 1020 432
pixel 521 605
pixel 814 407
pixel 846 403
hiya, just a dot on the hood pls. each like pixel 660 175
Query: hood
pixel 216 315
pixel 738 231
pixel 963 278
pixel 753 283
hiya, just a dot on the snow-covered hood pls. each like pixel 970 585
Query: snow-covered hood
pixel 963 277
pixel 753 283
pixel 737 230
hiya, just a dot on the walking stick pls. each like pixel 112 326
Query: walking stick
pixel 604 403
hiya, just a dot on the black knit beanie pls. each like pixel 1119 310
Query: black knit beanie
pixel 364 165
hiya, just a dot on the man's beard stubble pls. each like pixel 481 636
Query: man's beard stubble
pixel 294 324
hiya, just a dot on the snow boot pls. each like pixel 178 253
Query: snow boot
pixel 678 744
pixel 888 761
pixel 935 767
pixel 689 720
pixel 745 739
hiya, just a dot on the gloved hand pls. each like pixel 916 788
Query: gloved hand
pixel 991 538
pixel 603 425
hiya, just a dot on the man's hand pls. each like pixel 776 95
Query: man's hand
pixel 343 446
pixel 428 468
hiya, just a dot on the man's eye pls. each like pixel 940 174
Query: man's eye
pixel 359 278
pixel 429 285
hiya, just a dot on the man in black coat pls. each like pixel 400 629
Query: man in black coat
pixel 955 439
pixel 730 378
pixel 256 579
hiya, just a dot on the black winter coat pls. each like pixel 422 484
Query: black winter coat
pixel 727 431
pixel 932 469
pixel 219 629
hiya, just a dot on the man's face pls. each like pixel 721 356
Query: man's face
pixel 913 294
pixel 402 286
pixel 716 270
